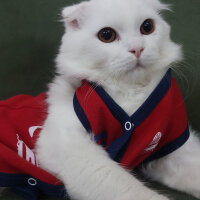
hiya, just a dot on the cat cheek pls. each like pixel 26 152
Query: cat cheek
pixel 122 64
pixel 150 60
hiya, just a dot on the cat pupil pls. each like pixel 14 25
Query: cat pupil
pixel 147 27
pixel 107 35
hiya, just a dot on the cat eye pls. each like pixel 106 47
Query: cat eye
pixel 147 27
pixel 107 35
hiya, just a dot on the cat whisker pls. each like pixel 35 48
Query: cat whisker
pixel 184 82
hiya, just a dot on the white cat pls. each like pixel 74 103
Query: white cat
pixel 124 46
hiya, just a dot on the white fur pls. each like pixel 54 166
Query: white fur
pixel 64 148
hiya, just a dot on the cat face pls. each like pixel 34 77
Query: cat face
pixel 113 38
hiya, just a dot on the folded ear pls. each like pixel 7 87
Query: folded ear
pixel 73 15
pixel 158 5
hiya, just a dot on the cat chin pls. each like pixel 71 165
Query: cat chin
pixel 131 70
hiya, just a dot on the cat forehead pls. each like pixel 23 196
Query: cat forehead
pixel 95 13
pixel 124 12
pixel 127 5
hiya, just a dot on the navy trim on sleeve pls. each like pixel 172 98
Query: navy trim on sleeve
pixel 102 138
pixel 81 114
pixel 20 185
pixel 101 135
pixel 170 147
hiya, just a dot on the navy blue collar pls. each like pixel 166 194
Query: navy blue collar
pixel 144 110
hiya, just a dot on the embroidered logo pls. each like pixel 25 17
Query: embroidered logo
pixel 23 150
pixel 32 130
pixel 154 142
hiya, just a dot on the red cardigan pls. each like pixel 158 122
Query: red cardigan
pixel 156 129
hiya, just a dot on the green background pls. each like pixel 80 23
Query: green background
pixel 30 34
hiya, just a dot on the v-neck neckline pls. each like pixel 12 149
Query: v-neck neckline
pixel 144 110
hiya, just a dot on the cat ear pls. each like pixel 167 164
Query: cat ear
pixel 159 5
pixel 73 15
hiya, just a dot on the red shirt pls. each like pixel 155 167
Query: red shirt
pixel 156 129
pixel 21 119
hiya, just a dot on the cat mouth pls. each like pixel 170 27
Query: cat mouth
pixel 138 65
pixel 134 66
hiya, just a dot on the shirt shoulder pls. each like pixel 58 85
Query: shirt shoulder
pixel 22 101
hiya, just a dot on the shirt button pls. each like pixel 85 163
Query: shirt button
pixel 128 126
pixel 32 182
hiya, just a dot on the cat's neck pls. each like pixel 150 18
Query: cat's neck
pixel 126 92
pixel 130 94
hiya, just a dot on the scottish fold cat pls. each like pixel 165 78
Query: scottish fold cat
pixel 117 53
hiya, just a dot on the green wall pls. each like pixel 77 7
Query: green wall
pixel 185 21
pixel 30 34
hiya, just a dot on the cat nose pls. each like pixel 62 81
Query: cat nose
pixel 137 52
